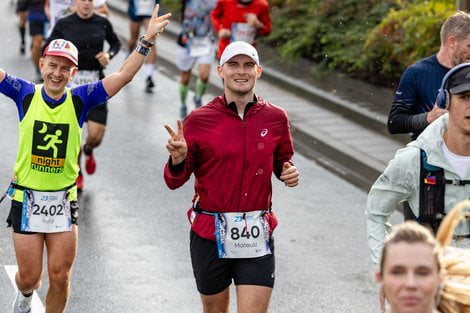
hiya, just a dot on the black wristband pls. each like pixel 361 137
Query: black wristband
pixel 142 50
pixel 147 43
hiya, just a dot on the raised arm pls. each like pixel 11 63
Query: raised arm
pixel 114 82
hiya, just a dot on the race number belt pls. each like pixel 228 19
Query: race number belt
pixel 144 7
pixel 242 234
pixel 200 46
pixel 83 77
pixel 243 32
pixel 46 211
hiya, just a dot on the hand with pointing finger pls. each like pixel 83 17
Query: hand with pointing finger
pixel 289 175
pixel 176 145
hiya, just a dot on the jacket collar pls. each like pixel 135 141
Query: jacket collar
pixel 233 107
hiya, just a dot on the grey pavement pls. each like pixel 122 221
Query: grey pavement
pixel 337 121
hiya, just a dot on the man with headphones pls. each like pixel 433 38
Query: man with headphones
pixel 414 106
pixel 431 173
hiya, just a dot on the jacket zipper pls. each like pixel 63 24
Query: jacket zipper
pixel 243 164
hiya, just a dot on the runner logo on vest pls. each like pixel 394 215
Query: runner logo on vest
pixel 49 147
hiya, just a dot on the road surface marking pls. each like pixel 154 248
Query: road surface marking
pixel 36 304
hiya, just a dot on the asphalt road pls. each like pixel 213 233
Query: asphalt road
pixel 133 253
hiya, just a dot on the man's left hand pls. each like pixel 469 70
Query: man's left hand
pixel 289 175
pixel 157 24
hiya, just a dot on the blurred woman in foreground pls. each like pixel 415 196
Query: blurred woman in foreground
pixel 419 273
pixel 410 275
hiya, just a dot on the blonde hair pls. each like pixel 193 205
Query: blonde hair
pixel 455 297
pixel 457 25
pixel 411 232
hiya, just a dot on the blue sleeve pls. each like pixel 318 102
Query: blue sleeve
pixel 16 89
pixel 91 95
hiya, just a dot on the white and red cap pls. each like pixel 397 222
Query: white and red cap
pixel 62 48
pixel 236 48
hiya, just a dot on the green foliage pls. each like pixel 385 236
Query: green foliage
pixel 173 6
pixel 364 38
pixel 329 32
pixel 405 35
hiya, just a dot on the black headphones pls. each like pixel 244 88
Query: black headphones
pixel 443 97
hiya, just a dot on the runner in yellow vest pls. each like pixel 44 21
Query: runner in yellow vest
pixel 44 196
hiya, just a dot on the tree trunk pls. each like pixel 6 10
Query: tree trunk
pixel 463 5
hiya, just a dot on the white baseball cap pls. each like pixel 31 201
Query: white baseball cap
pixel 239 47
pixel 62 48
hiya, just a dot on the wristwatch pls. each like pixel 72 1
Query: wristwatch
pixel 142 50
pixel 147 43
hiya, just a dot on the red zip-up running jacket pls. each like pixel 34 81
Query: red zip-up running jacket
pixel 232 159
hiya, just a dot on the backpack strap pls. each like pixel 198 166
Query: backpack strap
pixel 431 194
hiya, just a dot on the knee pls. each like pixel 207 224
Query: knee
pixel 29 281
pixel 93 141
pixel 59 277
pixel 216 303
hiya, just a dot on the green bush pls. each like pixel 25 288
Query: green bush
pixel 405 35
pixel 173 6
pixel 369 38
pixel 329 32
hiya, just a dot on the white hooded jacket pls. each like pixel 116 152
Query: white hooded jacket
pixel 401 180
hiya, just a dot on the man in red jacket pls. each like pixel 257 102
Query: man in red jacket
pixel 240 20
pixel 233 145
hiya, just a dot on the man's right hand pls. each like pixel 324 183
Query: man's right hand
pixel 436 111
pixel 176 144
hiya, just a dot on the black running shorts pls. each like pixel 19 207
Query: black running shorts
pixel 36 28
pixel 214 275
pixel 98 114
pixel 14 218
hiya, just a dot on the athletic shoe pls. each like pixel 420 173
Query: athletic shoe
pixel 80 183
pixel 183 111
pixel 149 85
pixel 90 163
pixel 22 304
pixel 197 101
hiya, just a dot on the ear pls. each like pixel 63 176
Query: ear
pixel 219 71
pixel 451 41
pixel 259 70
pixel 378 277
pixel 73 71
pixel 41 62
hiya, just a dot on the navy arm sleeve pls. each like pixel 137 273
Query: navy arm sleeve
pixel 112 39
pixel 406 115
pixel 401 120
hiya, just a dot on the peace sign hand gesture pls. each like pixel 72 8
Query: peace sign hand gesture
pixel 157 24
pixel 176 144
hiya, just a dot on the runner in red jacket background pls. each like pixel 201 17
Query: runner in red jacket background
pixel 240 20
